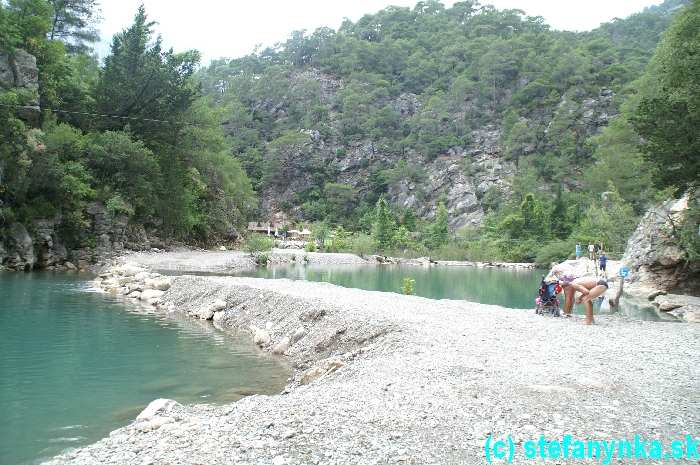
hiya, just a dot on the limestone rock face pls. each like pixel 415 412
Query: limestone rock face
pixel 653 255
pixel 19 254
pixel 18 71
pixel 48 246
pixel 469 177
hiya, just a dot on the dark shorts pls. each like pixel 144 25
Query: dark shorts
pixel 602 266
pixel 602 282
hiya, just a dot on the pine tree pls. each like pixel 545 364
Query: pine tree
pixel 73 23
pixel 439 231
pixel 383 227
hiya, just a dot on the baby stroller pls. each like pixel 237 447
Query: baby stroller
pixel 547 302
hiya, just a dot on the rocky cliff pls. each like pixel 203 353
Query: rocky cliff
pixel 461 176
pixel 19 72
pixel 654 256
pixel 41 243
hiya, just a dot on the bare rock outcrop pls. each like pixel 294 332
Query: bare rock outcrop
pixel 653 254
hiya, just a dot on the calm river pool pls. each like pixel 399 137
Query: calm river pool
pixel 496 286
pixel 75 364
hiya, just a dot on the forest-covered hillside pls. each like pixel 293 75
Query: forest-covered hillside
pixel 108 155
pixel 477 108
pixel 464 132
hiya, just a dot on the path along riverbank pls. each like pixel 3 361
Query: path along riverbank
pixel 383 378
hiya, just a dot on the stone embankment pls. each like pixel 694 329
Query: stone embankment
pixel 382 378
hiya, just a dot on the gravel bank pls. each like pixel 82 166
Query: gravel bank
pixel 383 378
pixel 232 261
pixel 316 258
pixel 194 261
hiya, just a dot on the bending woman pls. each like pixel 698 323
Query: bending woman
pixel 589 288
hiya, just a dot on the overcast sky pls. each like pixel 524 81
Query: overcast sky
pixel 232 28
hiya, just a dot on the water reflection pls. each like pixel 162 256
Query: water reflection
pixel 496 286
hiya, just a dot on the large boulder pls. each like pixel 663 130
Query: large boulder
pixel 653 255
pixel 684 307
pixel 156 408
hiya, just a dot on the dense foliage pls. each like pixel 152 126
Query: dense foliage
pixel 184 151
pixel 421 81
pixel 159 157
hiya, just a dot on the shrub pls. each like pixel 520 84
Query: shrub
pixel 310 246
pixel 450 252
pixel 116 205
pixel 362 245
pixel 408 286
pixel 261 259
pixel 258 243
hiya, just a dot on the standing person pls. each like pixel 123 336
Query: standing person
pixel 578 250
pixel 589 287
pixel 603 261
pixel 591 251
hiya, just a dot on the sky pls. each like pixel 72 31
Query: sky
pixel 232 28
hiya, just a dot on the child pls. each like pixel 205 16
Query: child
pixel 603 264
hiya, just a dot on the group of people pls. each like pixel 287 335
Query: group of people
pixel 588 287
pixel 595 251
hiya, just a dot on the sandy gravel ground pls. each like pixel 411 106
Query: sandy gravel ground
pixel 192 261
pixel 382 378
pixel 233 261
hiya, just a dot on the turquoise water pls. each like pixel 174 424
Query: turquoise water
pixel 495 286
pixel 75 365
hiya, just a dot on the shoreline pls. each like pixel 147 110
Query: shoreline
pixel 232 261
pixel 387 378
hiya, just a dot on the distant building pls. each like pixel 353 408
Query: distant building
pixel 295 234
pixel 268 228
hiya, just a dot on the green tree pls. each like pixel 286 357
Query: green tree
pixel 439 230
pixel 619 159
pixel 383 226
pixel 341 199
pixel 122 165
pixel 148 88
pixel 402 237
pixel 611 220
pixel 72 22
pixel 668 114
